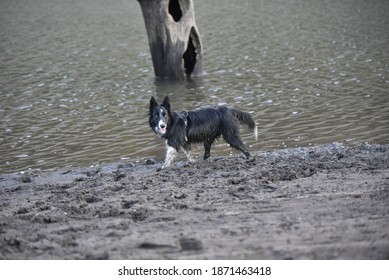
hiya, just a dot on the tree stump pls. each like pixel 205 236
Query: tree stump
pixel 174 39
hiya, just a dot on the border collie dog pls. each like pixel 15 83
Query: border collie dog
pixel 183 129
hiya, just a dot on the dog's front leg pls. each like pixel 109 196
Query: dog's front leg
pixel 170 154
pixel 188 154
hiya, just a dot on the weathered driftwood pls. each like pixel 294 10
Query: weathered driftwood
pixel 174 39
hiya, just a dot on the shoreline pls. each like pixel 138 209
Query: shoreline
pixel 322 202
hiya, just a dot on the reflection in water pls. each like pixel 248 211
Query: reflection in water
pixel 76 77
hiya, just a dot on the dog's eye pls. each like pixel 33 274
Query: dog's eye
pixel 163 114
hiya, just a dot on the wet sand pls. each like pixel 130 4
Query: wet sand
pixel 323 202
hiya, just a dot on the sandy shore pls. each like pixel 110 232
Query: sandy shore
pixel 324 202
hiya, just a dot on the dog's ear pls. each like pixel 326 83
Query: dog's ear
pixel 153 103
pixel 166 103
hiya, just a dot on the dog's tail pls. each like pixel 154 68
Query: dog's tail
pixel 247 119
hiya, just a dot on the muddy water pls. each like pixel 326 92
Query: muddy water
pixel 76 77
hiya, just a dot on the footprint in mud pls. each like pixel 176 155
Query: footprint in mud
pixel 140 214
pixel 190 244
pixel 151 245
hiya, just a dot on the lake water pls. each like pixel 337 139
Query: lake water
pixel 76 77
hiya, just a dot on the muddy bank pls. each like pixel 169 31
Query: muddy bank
pixel 325 202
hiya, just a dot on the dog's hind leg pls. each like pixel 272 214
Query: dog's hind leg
pixel 238 144
pixel 171 152
pixel 232 137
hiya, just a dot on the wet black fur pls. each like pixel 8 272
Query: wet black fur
pixel 203 126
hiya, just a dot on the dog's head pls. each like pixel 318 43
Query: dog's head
pixel 159 116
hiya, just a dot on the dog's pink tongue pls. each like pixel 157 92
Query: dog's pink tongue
pixel 162 130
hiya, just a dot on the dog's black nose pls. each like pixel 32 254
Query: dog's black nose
pixel 162 126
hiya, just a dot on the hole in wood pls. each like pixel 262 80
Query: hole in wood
pixel 190 55
pixel 175 10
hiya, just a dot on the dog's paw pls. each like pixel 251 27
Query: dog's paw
pixel 250 159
